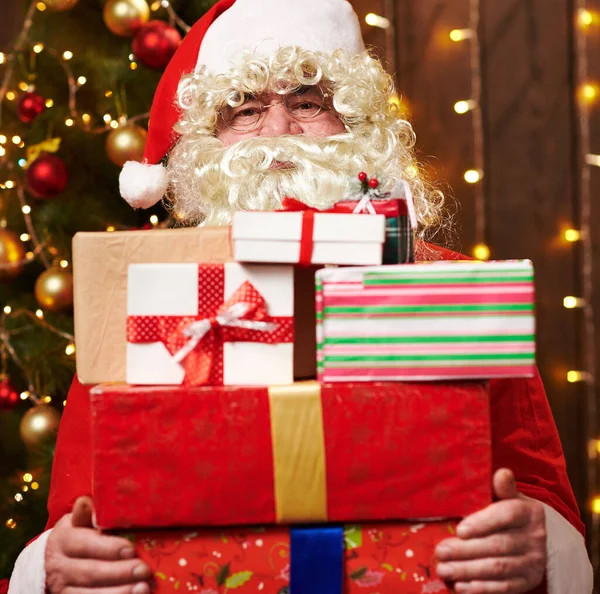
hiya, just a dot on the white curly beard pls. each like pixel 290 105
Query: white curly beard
pixel 208 181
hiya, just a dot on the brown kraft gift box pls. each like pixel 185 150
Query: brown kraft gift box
pixel 100 265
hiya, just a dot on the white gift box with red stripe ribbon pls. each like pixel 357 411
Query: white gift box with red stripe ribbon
pixel 210 324
pixel 308 237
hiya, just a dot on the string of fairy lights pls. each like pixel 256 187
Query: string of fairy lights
pixel 472 106
pixel 587 93
pixel 15 71
pixel 475 173
pixel 40 250
pixel 579 234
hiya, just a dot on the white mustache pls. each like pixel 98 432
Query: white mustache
pixel 260 155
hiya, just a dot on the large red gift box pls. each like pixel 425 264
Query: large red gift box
pixel 198 456
pixel 378 558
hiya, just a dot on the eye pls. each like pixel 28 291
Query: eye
pixel 246 112
pixel 305 107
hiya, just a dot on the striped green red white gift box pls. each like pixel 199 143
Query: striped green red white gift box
pixel 426 321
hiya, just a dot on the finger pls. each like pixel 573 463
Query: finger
pixel 512 586
pixel 504 544
pixel 87 573
pixel 141 588
pixel 82 513
pixel 505 485
pixel 86 543
pixel 497 517
pixel 482 569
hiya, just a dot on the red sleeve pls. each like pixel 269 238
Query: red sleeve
pixel 524 435
pixel 72 467
pixel 525 439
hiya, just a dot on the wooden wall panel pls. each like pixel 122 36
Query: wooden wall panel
pixel 433 73
pixel 531 183
pixel 593 66
pixel 530 170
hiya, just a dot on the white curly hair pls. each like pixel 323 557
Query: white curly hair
pixel 209 181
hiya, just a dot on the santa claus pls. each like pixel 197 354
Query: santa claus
pixel 274 98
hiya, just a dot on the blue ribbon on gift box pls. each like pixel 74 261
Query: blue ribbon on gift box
pixel 317 560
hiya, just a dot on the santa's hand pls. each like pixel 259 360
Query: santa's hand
pixel 79 560
pixel 501 549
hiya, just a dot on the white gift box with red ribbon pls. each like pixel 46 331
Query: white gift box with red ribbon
pixel 308 237
pixel 210 324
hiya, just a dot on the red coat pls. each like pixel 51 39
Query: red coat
pixel 524 439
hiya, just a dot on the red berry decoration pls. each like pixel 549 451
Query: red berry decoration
pixel 362 177
pixel 155 44
pixel 30 106
pixel 47 176
pixel 373 183
pixel 8 395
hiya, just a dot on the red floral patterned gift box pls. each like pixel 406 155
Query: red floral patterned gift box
pixel 377 559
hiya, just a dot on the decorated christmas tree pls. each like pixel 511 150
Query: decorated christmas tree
pixel 75 91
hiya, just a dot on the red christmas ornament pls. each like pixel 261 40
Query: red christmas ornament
pixel 30 106
pixel 362 177
pixel 155 44
pixel 47 176
pixel 8 395
pixel 373 184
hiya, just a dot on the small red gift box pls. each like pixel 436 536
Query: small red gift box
pixel 381 558
pixel 289 454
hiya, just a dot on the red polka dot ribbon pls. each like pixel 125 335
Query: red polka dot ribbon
pixel 197 341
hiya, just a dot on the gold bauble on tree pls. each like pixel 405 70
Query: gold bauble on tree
pixel 126 17
pixel 60 5
pixel 39 424
pixel 126 144
pixel 12 254
pixel 54 289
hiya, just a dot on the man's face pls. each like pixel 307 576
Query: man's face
pixel 273 145
pixel 266 147
pixel 306 111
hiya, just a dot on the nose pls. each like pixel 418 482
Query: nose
pixel 277 121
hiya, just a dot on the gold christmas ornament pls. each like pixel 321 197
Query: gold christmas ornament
pixel 125 17
pixel 60 5
pixel 54 289
pixel 126 144
pixel 12 253
pixel 39 424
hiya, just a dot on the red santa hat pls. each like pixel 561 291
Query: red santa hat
pixel 215 43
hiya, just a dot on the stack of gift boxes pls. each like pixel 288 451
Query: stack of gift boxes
pixel 238 452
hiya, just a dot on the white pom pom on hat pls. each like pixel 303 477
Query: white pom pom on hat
pixel 141 184
pixel 216 42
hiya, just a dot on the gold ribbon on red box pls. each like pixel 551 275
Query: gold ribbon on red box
pixel 303 453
